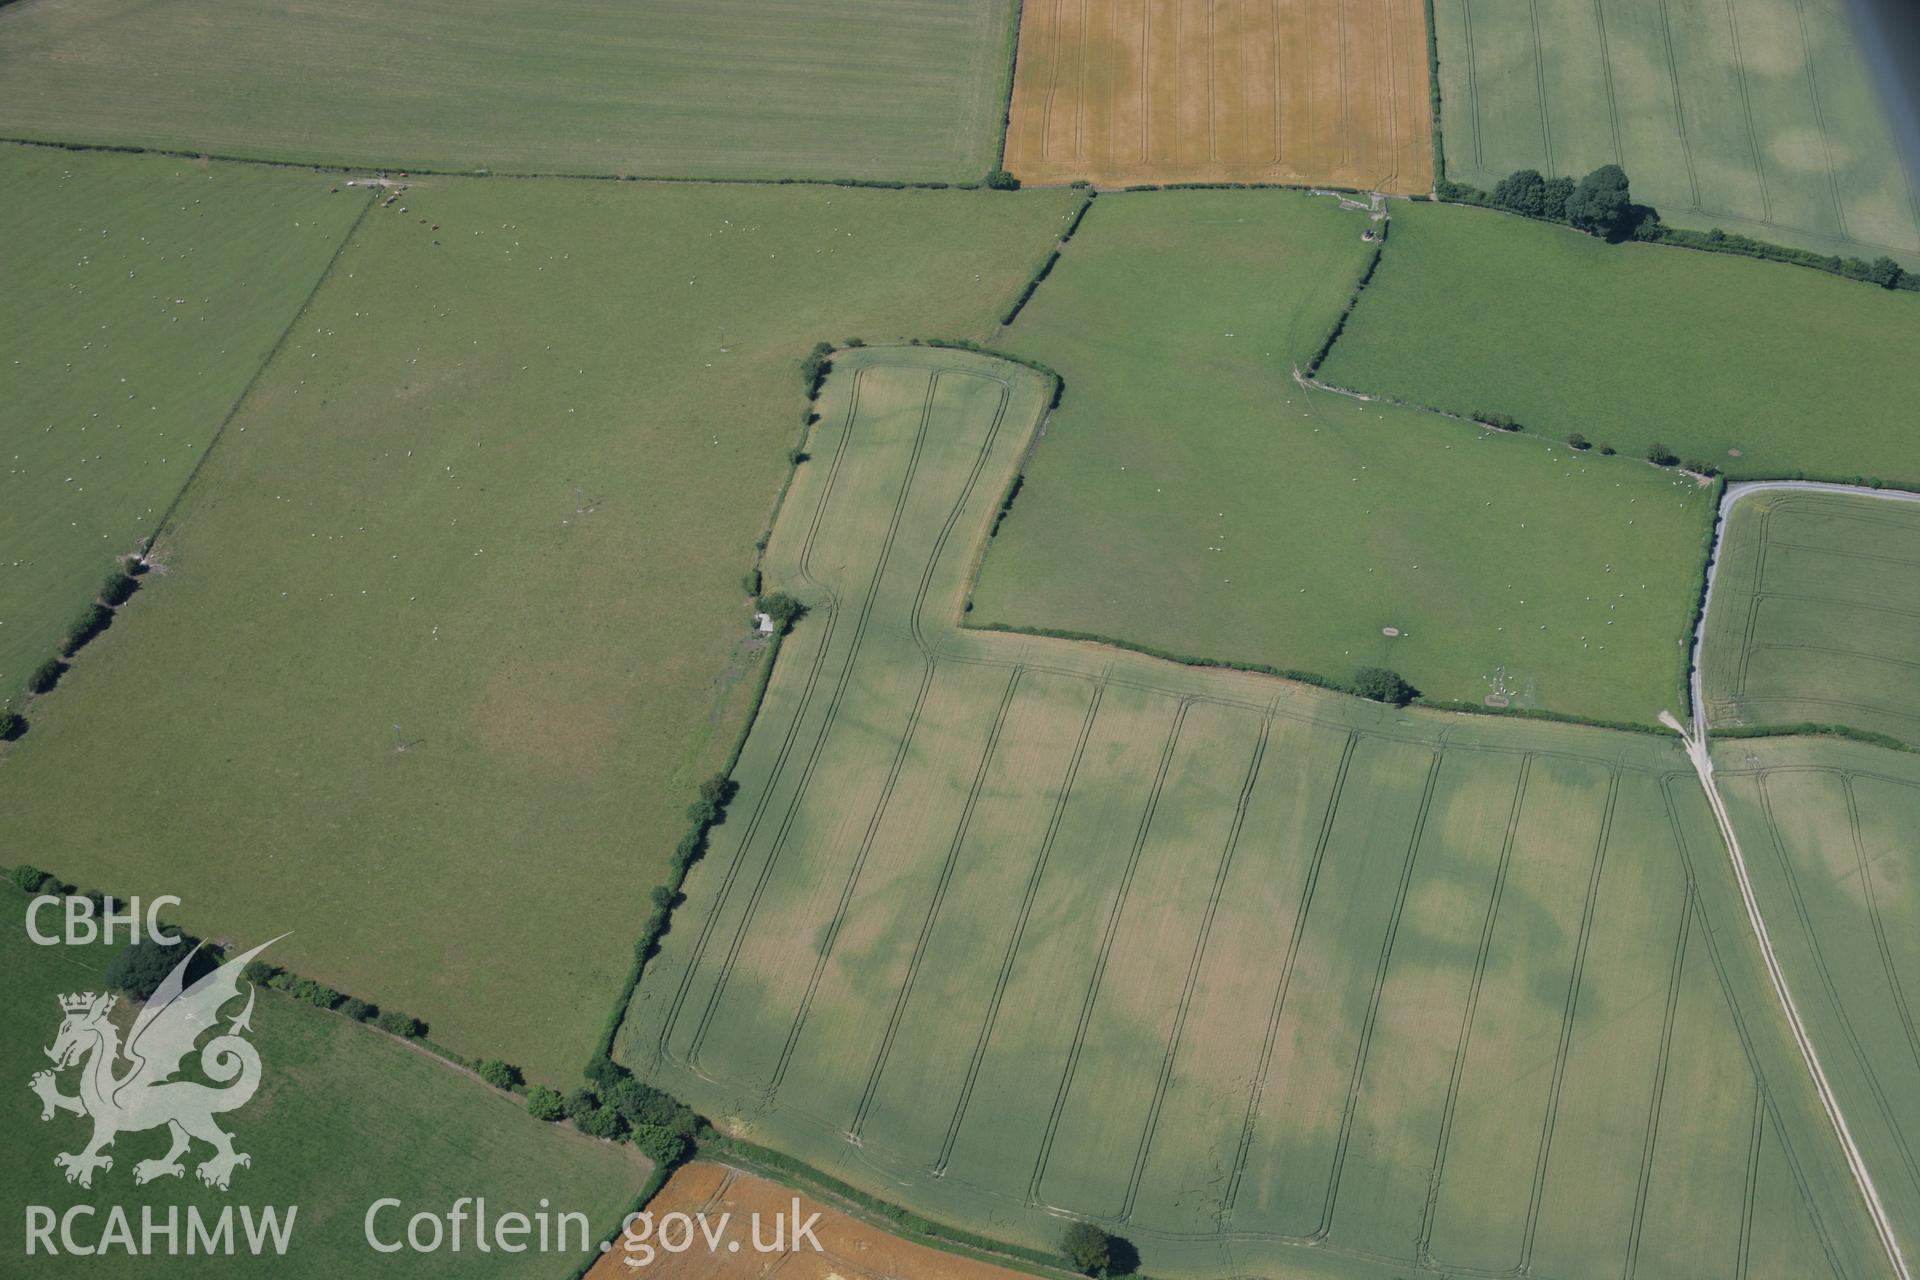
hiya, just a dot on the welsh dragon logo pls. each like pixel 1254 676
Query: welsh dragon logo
pixel 146 1094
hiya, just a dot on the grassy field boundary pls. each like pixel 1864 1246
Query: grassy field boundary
pixel 164 523
pixel 122 148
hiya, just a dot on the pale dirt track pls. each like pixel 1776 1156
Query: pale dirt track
pixel 1699 752
pixel 1287 91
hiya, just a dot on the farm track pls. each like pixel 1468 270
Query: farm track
pixel 995 1048
pixel 1698 750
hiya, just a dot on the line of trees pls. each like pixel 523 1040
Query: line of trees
pixel 1601 204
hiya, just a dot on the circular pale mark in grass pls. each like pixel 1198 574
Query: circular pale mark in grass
pixel 1389 631
pixel 1735 453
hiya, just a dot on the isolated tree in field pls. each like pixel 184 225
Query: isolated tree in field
pixel 1523 191
pixel 1578 441
pixel 1383 685
pixel 1087 1248
pixel 1661 456
pixel 12 725
pixel 1601 203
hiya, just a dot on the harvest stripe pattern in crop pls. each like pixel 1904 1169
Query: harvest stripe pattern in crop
pixel 1140 91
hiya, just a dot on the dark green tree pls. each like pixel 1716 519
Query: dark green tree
pixel 1661 456
pixel 498 1073
pixel 545 1104
pixel 1383 685
pixel 1885 272
pixel 1086 1248
pixel 1601 203
pixel 783 609
pixel 141 968
pixel 1523 191
pixel 1554 197
pixel 46 675
pixel 1578 441
pixel 1001 180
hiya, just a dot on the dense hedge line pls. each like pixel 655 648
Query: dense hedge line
pixel 32 880
pixel 1245 186
pixel 1808 729
pixel 1353 300
pixel 1433 95
pixel 1046 266
pixel 784 1168
pixel 1019 303
pixel 118 588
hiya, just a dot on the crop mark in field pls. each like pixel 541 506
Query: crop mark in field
pixel 1473 87
pixel 1018 932
pixel 1422 1253
pixel 830 624
pixel 1746 107
pixel 1900 1006
pixel 1679 104
pixel 1540 86
pixel 1106 948
pixel 1373 1001
pixel 933 906
pixel 929 669
pixel 1193 967
pixel 1817 951
pixel 826 724
pixel 1278 1004
pixel 1561 1053
pixel 1606 76
pixel 1820 119
pixel 1659 1081
pixel 1756 1133
pixel 914 621
pixel 874 820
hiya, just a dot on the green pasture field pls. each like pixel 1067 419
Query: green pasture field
pixel 898 89
pixel 1759 117
pixel 1190 496
pixel 1827 828
pixel 1816 614
pixel 345 1115
pixel 139 296
pixel 452 624
pixel 1267 979
pixel 1762 369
